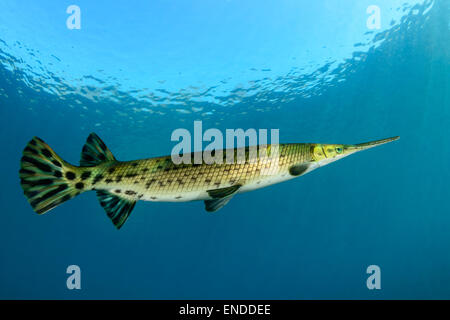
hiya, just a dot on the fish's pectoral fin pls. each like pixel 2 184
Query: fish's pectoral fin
pixel 117 208
pixel 299 169
pixel 220 197
pixel 95 151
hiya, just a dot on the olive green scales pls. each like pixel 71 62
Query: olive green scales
pixel 48 181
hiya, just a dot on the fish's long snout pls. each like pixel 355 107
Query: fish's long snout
pixel 368 145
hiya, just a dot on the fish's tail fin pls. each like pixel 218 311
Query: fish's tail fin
pixel 46 179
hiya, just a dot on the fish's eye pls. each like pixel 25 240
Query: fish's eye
pixel 338 149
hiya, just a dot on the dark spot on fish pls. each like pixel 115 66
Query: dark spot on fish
pixel 58 174
pixel 140 196
pixel 109 180
pixel 66 197
pixel 161 184
pixel 79 185
pixel 56 163
pixel 31 194
pixel 217 183
pixel 130 192
pixel 159 167
pixel 145 170
pixel 46 196
pixel 119 178
pixel 97 178
pixel 148 184
pixel 70 175
pixel 207 180
pixel 169 180
pixel 153 198
pixel 85 175
pixel 130 175
pixel 180 181
pixel 41 166
pixel 25 171
pixel 178 197
pixel 46 153
pixel 111 170
pixel 88 157
pixel 134 164
pixel 117 191
pixel 49 194
pixel 31 150
pixel 41 182
pixel 167 169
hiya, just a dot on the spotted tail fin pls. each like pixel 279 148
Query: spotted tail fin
pixel 46 179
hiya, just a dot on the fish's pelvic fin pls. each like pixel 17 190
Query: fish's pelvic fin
pixel 46 179
pixel 117 208
pixel 220 197
pixel 95 151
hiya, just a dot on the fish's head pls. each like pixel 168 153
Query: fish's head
pixel 323 154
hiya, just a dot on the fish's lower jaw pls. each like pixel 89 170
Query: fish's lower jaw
pixel 324 162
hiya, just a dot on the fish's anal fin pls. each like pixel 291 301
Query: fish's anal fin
pixel 220 197
pixel 95 151
pixel 117 208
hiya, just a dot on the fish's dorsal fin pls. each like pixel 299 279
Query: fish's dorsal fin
pixel 117 208
pixel 95 151
pixel 220 197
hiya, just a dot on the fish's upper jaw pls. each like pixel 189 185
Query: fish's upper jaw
pixel 323 154
pixel 367 145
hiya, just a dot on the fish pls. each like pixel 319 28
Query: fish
pixel 48 181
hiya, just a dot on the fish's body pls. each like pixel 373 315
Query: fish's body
pixel 159 179
pixel 48 180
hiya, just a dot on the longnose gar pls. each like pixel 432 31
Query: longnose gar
pixel 48 181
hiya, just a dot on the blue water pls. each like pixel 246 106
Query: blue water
pixel 136 71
